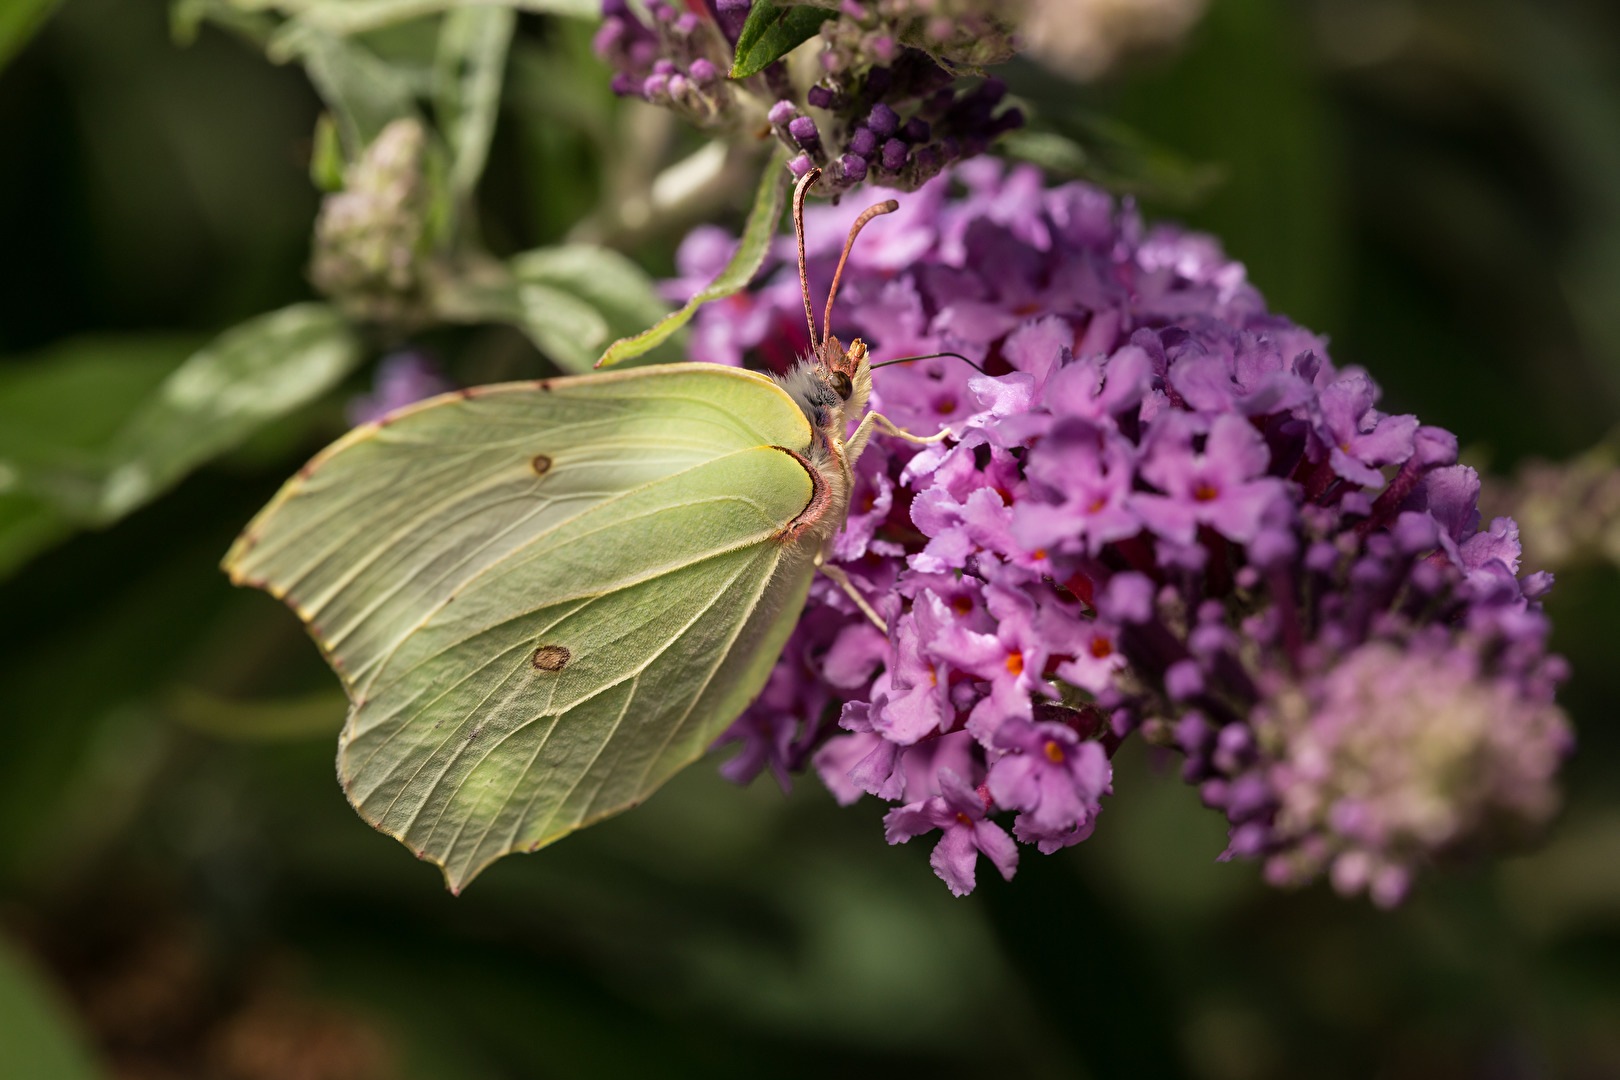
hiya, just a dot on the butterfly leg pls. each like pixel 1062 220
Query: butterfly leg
pixel 841 579
pixel 857 442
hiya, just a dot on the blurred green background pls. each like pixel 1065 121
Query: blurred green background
pixel 185 893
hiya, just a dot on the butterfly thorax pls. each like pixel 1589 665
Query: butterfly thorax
pixel 831 388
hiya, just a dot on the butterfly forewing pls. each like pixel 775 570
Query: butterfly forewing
pixel 543 598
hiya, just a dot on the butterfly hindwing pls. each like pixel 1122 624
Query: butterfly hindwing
pixel 543 599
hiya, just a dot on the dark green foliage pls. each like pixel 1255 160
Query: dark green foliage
pixel 772 31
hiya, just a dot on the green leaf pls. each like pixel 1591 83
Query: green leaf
pixel 1118 157
pixel 96 426
pixel 364 93
pixel 360 16
pixel 751 251
pixel 37 1037
pixel 187 16
pixel 561 325
pixel 326 158
pixel 256 372
pixel 606 279
pixel 60 413
pixel 19 19
pixel 99 427
pixel 28 526
pixel 469 67
pixel 772 31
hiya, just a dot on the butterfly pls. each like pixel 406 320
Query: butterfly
pixel 544 598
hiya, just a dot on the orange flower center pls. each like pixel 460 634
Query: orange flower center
pixel 1054 752
pixel 1096 504
pixel 964 819
pixel 945 406
pixel 1040 553
pixel 1102 648
pixel 1206 492
pixel 961 605
pixel 1015 662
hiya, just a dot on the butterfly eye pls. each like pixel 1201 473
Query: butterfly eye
pixel 841 384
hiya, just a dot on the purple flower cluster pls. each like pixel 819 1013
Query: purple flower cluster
pixel 884 107
pixel 680 61
pixel 1163 511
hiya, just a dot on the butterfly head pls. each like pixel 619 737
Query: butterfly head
pixel 842 377
pixel 848 373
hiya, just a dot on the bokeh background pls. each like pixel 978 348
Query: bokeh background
pixel 185 893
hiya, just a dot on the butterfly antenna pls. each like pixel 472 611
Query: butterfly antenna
pixel 932 356
pixel 868 214
pixel 804 185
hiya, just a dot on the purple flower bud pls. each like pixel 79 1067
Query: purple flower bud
pixel 854 167
pixel 819 96
pixel 687 24
pixel 1183 680
pixel 732 15
pixel 863 142
pixel 608 35
pixel 1537 585
pixel 1248 796
pixel 803 130
pixel 664 67
pixel 1010 120
pixel 655 86
pixel 1233 747
pixel 801 165
pixel 643 52
pixel 883 120
pixel 1128 598
pixel 402 378
pixel 916 130
pixel 625 85
pixel 782 112
pixel 1434 446
pixel 1193 733
pixel 702 71
pixel 894 155
pixel 1416 533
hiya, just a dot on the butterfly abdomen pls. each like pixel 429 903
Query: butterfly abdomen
pixel 818 509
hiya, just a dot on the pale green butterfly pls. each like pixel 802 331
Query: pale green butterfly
pixel 545 598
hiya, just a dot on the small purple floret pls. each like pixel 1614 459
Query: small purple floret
pixel 883 120
pixel 803 130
